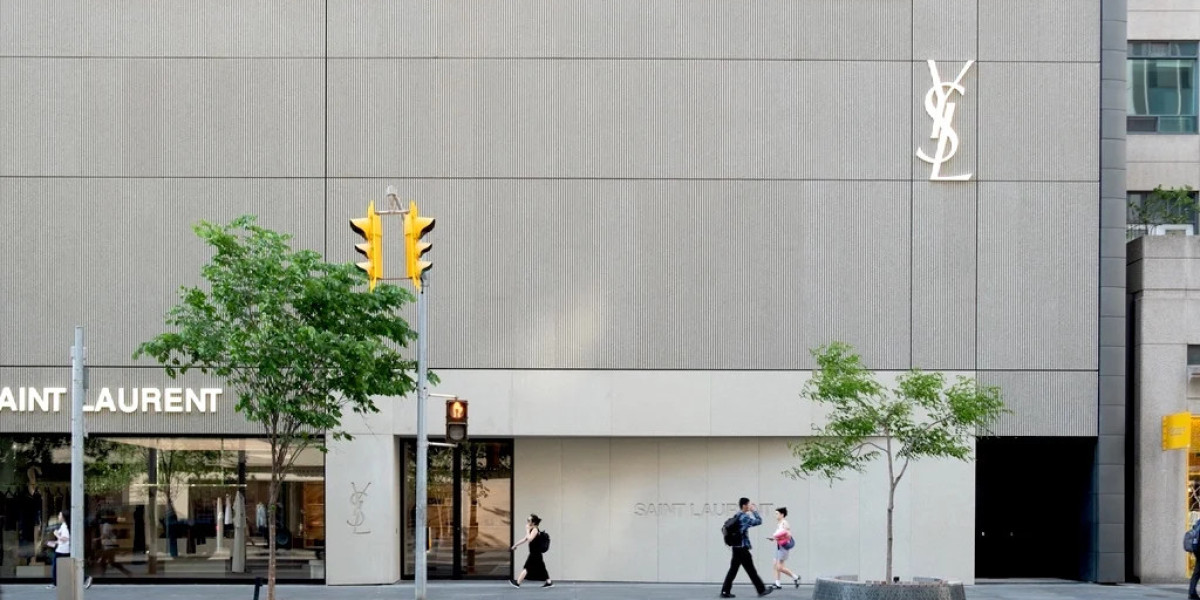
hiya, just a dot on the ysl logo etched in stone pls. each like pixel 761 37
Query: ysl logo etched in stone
pixel 356 500
pixel 941 110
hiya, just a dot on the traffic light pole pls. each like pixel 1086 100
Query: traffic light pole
pixel 419 546
pixel 414 227
pixel 76 526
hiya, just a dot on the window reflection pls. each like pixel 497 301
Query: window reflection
pixel 469 510
pixel 1160 80
pixel 162 507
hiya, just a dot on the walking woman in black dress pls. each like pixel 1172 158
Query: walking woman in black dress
pixel 535 565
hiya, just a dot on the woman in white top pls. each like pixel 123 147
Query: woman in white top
pixel 782 538
pixel 62 547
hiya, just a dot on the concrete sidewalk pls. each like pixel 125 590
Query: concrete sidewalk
pixel 499 590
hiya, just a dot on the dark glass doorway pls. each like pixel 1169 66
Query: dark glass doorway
pixel 1033 507
pixel 469 510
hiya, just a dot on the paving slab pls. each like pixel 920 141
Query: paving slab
pixel 499 590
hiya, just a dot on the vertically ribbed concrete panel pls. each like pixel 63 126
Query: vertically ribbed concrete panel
pixel 1052 139
pixel 41 27
pixel 141 247
pixel 1049 403
pixel 217 117
pixel 560 274
pixel 158 28
pixel 944 276
pixel 39 299
pixel 1035 30
pixel 1047 321
pixel 944 30
pixel 617 119
pixel 240 28
pixel 40 116
pixel 622 29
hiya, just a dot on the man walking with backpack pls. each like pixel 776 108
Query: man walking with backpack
pixel 1189 545
pixel 736 533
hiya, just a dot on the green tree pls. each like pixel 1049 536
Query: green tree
pixel 298 340
pixel 1161 207
pixel 920 418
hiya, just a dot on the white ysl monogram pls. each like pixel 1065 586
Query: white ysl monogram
pixel 941 110
pixel 356 500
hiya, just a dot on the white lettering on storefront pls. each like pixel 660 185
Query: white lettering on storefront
pixel 149 396
pixel 691 509
pixel 174 400
pixel 28 399
pixel 112 400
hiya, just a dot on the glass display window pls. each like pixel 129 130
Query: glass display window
pixel 158 507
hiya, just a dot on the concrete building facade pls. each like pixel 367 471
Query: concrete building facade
pixel 648 213
pixel 1163 150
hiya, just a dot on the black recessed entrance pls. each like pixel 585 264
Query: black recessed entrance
pixel 1033 507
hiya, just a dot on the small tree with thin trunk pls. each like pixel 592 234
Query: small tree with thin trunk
pixel 920 418
pixel 298 339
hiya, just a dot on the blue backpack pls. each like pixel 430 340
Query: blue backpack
pixel 1189 538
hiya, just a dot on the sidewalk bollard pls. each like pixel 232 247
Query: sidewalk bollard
pixel 258 583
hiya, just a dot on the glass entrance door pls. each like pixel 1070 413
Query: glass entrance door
pixel 469 510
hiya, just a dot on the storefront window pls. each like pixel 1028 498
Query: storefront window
pixel 161 507
pixel 469 510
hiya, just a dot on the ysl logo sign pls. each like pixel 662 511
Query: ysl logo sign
pixel 356 500
pixel 941 110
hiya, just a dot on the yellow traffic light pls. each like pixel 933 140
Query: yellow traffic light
pixel 371 228
pixel 456 420
pixel 416 226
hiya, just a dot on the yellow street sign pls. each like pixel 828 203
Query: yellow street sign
pixel 1176 431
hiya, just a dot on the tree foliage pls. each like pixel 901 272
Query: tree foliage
pixel 1163 206
pixel 298 340
pixel 921 417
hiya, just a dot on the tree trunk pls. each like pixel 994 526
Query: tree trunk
pixel 274 495
pixel 891 508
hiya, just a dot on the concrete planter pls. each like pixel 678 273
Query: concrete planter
pixel 847 588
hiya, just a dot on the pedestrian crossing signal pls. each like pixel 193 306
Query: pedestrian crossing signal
pixel 456 420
